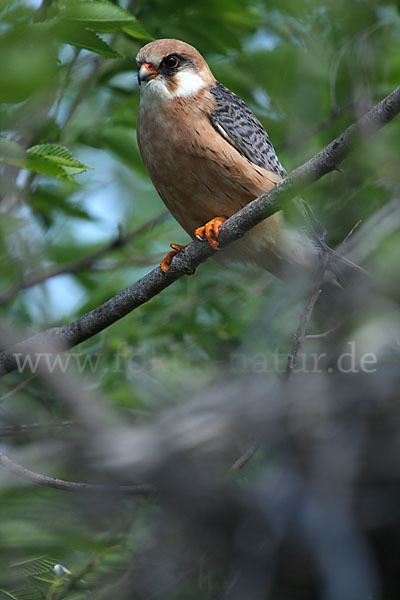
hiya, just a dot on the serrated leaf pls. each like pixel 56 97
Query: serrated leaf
pixel 79 36
pixel 104 17
pixel 46 159
pixel 137 31
pixel 34 566
pixel 75 34
pixel 58 155
pixel 43 166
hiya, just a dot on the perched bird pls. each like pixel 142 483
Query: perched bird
pixel 208 156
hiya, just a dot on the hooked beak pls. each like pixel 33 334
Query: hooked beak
pixel 146 73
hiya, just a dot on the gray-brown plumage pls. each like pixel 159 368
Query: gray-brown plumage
pixel 233 118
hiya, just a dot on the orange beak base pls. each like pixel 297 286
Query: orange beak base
pixel 146 73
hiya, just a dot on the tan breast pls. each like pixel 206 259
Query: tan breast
pixel 197 173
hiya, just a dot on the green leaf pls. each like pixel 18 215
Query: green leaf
pixel 35 566
pixel 104 17
pixel 60 156
pixel 46 159
pixel 45 167
pixel 76 35
pixel 137 31
pixel 71 32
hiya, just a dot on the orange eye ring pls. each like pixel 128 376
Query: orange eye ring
pixel 170 62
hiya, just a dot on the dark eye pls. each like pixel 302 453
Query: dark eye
pixel 170 62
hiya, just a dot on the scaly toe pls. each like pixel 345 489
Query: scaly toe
pixel 166 263
pixel 200 233
pixel 210 231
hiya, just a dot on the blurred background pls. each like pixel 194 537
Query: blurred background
pixel 173 394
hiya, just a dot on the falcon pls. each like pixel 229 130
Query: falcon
pixel 208 156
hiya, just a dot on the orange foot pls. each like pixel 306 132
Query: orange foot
pixel 210 231
pixel 176 248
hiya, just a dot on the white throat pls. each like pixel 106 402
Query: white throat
pixel 188 83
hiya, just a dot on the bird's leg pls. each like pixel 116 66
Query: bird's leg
pixel 176 248
pixel 209 231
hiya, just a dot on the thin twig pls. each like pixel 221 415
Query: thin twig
pixel 17 388
pixel 97 62
pixel 342 244
pixel 304 135
pixel 317 336
pixel 82 263
pixel 247 456
pixel 298 339
pixel 333 74
pixel 139 260
pixel 29 427
pixel 194 254
pixel 73 486
pixel 66 81
pixel 299 336
pixel 87 82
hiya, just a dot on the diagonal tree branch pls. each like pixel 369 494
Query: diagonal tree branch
pixel 192 256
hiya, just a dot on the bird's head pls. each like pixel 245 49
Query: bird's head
pixel 169 69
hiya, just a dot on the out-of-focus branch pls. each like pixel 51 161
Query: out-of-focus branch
pixel 87 82
pixel 300 137
pixel 65 84
pixel 82 263
pixel 73 486
pixel 300 336
pixel 17 388
pixel 234 228
pixel 138 260
pixel 247 456
pixel 30 427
